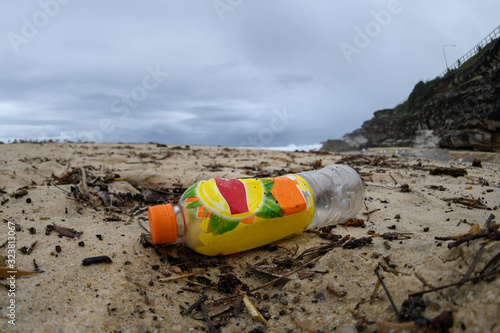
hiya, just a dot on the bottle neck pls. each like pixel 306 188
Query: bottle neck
pixel 181 224
pixel 337 191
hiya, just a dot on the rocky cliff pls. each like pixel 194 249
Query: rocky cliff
pixel 458 111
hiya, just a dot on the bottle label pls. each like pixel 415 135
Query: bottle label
pixel 232 215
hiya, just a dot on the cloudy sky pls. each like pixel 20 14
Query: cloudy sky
pixel 228 72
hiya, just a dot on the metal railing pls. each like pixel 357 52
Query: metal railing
pixel 475 50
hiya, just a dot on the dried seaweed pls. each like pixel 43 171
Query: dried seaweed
pixel 63 231
pixel 354 223
pixel 358 242
pixel 28 250
pixel 453 172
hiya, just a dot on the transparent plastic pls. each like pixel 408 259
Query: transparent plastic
pixel 338 194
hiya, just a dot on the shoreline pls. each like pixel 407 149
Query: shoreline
pixel 437 154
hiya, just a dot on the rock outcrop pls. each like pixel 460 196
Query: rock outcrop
pixel 458 111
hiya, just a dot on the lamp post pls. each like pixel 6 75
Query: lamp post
pixel 444 53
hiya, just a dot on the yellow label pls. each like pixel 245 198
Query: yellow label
pixel 225 216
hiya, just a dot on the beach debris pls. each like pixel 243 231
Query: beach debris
pixel 454 172
pixel 475 232
pixel 336 290
pixel 28 250
pixel 195 305
pixel 326 232
pixel 357 242
pixel 492 267
pixel 412 308
pixel 7 272
pixel 442 323
pixel 96 260
pixel 469 202
pixel 179 277
pixel 20 192
pixel 476 163
pixel 405 188
pixel 63 231
pixel 381 281
pixel 317 164
pixel 391 235
pixel 230 284
pixel 252 309
pixel 68 177
pixel 207 318
pixel 153 196
pixel 354 223
pixel 410 315
pixel 287 274
pixel 214 308
pixel 436 187
pixel 146 241
pixel 282 272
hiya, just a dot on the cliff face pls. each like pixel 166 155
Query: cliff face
pixel 459 111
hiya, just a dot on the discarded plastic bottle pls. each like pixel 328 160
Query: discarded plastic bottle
pixel 224 216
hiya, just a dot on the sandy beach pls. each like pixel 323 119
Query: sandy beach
pixel 409 201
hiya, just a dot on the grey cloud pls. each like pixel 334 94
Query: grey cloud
pixel 225 77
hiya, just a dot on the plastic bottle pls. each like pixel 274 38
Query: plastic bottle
pixel 224 216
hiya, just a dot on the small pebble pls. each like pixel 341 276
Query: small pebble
pixel 426 229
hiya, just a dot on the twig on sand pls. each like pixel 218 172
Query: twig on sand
pixel 208 320
pixel 490 268
pixel 287 274
pixel 387 292
pixel 473 279
pixel 172 278
pixel 478 255
pixel 195 305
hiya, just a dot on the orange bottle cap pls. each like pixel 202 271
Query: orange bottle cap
pixel 162 224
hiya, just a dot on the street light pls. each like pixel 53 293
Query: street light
pixel 446 61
